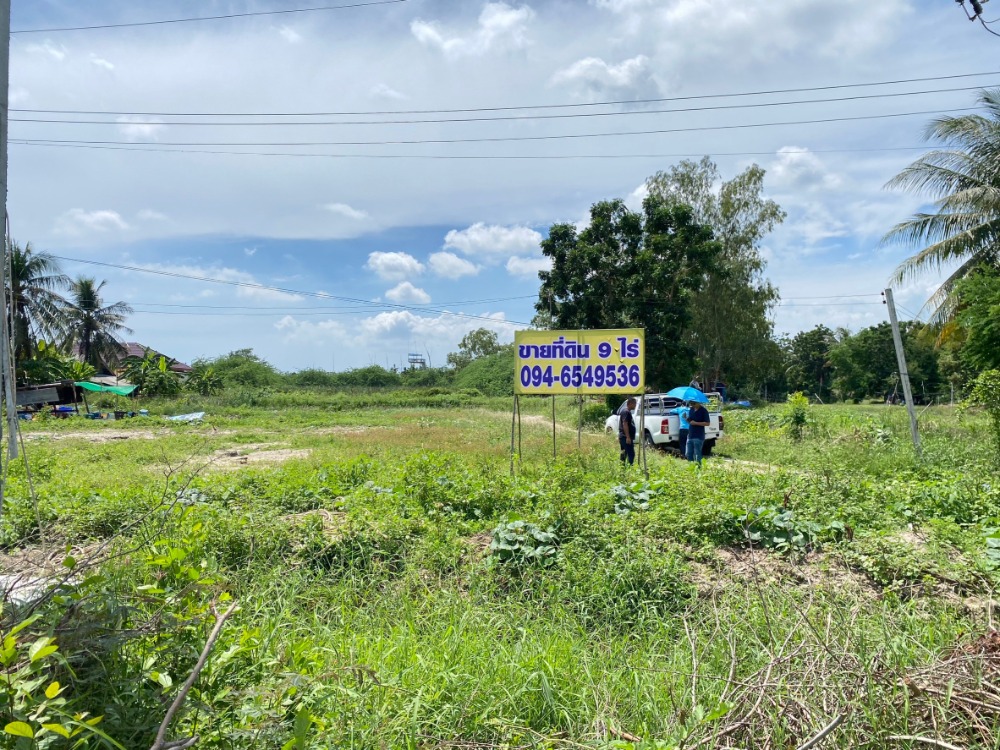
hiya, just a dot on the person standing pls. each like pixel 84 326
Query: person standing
pixel 684 427
pixel 626 432
pixel 698 419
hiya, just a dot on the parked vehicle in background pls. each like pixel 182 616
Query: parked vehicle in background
pixel 661 428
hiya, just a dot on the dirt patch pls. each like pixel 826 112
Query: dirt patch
pixel 246 455
pixel 733 565
pixel 478 545
pixel 535 419
pixel 346 430
pixel 103 436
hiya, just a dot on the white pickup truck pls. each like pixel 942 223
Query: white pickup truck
pixel 662 429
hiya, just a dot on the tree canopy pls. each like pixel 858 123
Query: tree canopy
pixel 92 327
pixel 632 270
pixel 731 329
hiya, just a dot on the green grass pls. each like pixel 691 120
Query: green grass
pixel 373 615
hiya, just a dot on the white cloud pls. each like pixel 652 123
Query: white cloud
pixel 77 221
pixel 100 62
pixel 500 26
pixel 148 214
pixel 250 251
pixel 249 287
pixel 406 293
pixel 140 128
pixel 527 268
pixel 383 91
pixel 491 241
pixel 398 328
pixel 290 35
pixel 403 324
pixel 312 331
pixel 342 209
pixel 593 77
pixel 634 200
pixel 798 168
pixel 622 6
pixel 450 266
pixel 48 48
pixel 394 266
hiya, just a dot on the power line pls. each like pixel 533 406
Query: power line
pixel 693 97
pixel 459 157
pixel 287 308
pixel 195 19
pixel 824 304
pixel 510 139
pixel 264 287
pixel 837 296
pixel 506 118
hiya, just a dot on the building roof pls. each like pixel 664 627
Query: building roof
pixel 135 349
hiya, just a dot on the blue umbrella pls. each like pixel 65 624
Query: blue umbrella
pixel 687 393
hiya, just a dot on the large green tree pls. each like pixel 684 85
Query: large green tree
pixel 808 362
pixel 731 328
pixel 629 269
pixel 35 302
pixel 865 366
pixel 481 342
pixel 978 315
pixel 92 328
pixel 963 180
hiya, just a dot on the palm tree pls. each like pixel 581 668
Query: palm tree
pixel 91 327
pixel 964 182
pixel 35 304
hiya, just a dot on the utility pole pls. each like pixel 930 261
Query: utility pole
pixel 904 375
pixel 6 359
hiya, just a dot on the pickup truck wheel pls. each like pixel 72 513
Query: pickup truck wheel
pixel 706 449
pixel 648 439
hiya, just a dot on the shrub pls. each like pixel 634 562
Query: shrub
pixel 594 416
pixel 492 375
pixel 796 415
pixel 986 393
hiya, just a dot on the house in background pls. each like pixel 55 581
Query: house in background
pixel 135 349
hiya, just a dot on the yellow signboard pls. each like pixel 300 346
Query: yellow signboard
pixel 580 362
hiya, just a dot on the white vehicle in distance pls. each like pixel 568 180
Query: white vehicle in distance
pixel 662 429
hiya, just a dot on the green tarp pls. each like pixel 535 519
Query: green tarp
pixel 120 390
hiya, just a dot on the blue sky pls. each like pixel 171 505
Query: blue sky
pixel 380 256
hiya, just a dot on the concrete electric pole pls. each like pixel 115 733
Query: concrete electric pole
pixel 904 375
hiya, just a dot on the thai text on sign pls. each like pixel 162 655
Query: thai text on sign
pixel 579 362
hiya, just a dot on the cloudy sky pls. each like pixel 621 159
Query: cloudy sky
pixel 375 180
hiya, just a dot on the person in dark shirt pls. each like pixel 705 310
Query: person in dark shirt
pixel 698 419
pixel 626 432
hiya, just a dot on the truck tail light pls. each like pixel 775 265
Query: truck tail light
pixel 665 427
pixel 722 422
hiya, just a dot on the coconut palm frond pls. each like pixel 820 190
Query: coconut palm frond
pixel 964 182
pixel 91 327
